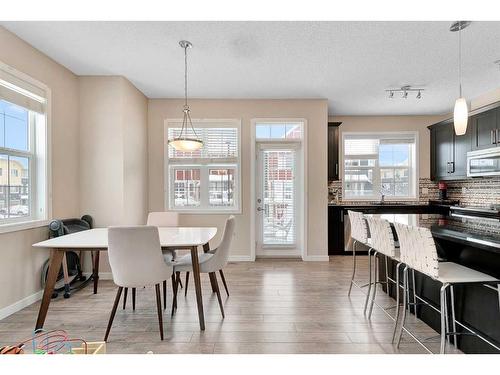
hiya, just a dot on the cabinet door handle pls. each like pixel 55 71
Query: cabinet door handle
pixel 492 137
pixel 452 167
pixel 337 169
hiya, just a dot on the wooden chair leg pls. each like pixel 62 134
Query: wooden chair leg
pixel 158 308
pixel 224 281
pixel 125 298
pixel 174 298
pixel 213 276
pixel 113 312
pixel 180 283
pixel 133 299
pixel 187 282
pixel 164 294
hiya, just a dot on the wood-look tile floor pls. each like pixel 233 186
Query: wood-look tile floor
pixel 275 306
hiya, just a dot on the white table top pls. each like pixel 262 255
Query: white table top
pixel 98 238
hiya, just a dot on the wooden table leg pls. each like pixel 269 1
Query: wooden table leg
pixel 197 284
pixel 206 249
pixel 54 267
pixel 96 271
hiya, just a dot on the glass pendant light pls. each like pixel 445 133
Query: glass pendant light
pixel 461 111
pixel 184 142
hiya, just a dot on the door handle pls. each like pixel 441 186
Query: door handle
pixel 259 209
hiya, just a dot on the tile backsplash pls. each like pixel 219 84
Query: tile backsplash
pixel 470 192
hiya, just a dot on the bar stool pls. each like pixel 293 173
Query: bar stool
pixel 359 233
pixel 383 242
pixel 418 252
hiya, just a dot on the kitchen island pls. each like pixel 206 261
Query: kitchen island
pixel 474 243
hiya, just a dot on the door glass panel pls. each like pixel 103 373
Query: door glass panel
pixel 278 224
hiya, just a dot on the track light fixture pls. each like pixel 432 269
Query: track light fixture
pixel 404 90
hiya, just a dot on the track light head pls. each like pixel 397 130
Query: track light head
pixel 391 94
pixel 419 95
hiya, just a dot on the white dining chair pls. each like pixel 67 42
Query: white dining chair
pixel 210 262
pixel 165 219
pixel 136 260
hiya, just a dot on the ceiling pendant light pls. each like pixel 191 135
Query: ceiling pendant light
pixel 461 111
pixel 185 142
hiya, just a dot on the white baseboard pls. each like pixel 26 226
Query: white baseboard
pixel 102 275
pixel 316 258
pixel 21 304
pixel 240 258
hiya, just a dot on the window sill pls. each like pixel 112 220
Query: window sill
pixel 206 212
pixel 23 225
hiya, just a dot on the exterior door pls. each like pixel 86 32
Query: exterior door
pixel 277 232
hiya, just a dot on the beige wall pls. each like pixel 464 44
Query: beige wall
pixel 113 150
pixel 393 123
pixel 21 264
pixel 315 111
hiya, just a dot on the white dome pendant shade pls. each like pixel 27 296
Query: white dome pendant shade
pixel 184 142
pixel 460 116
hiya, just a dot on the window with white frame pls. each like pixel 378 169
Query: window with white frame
pixel 23 148
pixel 208 179
pixel 379 164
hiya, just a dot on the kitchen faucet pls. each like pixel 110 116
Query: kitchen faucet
pixel 382 198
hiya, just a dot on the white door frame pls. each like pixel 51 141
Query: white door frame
pixel 302 153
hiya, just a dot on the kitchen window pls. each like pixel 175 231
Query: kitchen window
pixel 206 180
pixel 377 164
pixel 23 151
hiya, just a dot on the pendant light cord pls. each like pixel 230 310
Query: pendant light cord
pixel 460 58
pixel 185 77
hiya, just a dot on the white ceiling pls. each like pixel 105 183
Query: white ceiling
pixel 349 63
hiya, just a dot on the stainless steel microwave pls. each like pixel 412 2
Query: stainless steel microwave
pixel 483 162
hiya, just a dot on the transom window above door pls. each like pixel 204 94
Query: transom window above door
pixel 377 164
pixel 206 180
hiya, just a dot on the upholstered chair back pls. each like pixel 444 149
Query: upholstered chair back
pixel 135 256
pixel 163 219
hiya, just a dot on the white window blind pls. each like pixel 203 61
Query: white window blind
pixel 380 164
pixel 205 180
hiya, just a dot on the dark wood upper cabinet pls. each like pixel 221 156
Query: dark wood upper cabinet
pixel 449 151
pixel 333 151
pixel 484 130
pixel 442 150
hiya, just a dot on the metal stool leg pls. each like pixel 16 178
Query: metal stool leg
pixel 375 282
pixel 368 292
pixel 396 318
pixel 443 318
pixel 353 266
pixel 405 301
pixel 453 321
pixel 414 293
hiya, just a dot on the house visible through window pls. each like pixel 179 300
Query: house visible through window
pixel 206 180
pixel 23 161
pixel 380 164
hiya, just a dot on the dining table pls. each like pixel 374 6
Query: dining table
pixel 96 240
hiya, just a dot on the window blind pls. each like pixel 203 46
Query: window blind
pixel 218 143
